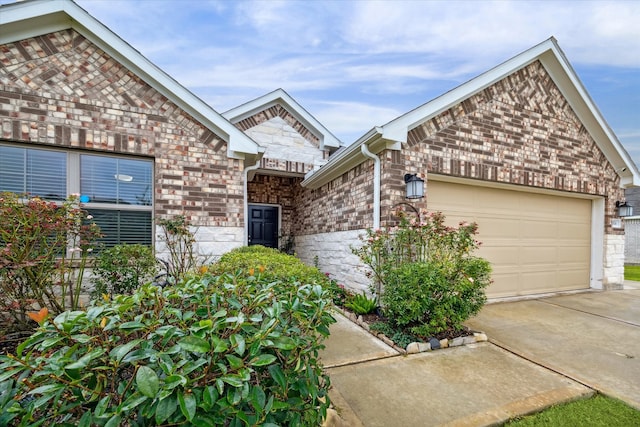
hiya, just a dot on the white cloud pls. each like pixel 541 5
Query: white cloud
pixel 351 120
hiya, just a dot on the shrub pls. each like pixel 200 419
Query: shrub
pixel 121 269
pixel 361 304
pixel 427 298
pixel 230 350
pixel 178 242
pixel 273 263
pixel 338 293
pixel 425 274
pixel 43 254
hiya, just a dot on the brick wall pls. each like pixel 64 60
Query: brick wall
pixel 519 131
pixel 346 203
pixel 61 90
pixel 275 190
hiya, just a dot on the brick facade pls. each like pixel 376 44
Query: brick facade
pixel 61 90
pixel 519 131
pixel 346 203
pixel 275 190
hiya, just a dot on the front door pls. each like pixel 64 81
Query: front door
pixel 263 226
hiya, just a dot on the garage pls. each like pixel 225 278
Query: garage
pixel 535 242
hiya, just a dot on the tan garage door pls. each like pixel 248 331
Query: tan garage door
pixel 536 243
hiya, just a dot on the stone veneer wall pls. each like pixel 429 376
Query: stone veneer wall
pixel 61 90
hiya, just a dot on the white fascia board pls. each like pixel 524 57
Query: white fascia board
pixel 62 14
pixel 559 68
pixel 400 127
pixel 248 109
pixel 568 82
pixel 342 161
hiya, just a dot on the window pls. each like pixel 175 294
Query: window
pixel 117 191
pixel 37 172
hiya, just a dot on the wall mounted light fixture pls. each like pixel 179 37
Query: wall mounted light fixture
pixel 415 186
pixel 624 209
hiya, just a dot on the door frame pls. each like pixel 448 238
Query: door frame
pixel 248 219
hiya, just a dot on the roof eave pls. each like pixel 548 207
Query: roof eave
pixel 248 109
pixel 559 68
pixel 351 157
pixel 46 16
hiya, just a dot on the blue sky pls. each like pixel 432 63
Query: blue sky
pixel 358 64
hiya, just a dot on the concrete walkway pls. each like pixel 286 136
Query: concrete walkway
pixel 593 338
pixel 475 385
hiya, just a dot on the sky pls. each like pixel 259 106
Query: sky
pixel 358 64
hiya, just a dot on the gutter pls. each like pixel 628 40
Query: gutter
pixel 376 184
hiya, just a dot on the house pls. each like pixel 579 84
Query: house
pixel 632 227
pixel 521 149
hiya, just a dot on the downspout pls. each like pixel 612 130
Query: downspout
pixel 245 174
pixel 376 185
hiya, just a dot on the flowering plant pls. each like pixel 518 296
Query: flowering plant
pixel 43 254
pixel 425 274
pixel 415 239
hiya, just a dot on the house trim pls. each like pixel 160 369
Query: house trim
pixel 553 60
pixel 279 96
pixel 33 18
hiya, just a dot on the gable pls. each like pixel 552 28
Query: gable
pixel 65 67
pixel 36 19
pixel 290 146
pixel 521 130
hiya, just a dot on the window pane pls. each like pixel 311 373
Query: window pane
pixel 113 180
pixel 47 174
pixel 123 226
pixel 38 172
pixel 12 167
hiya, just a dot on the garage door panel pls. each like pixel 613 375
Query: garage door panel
pixel 538 229
pixel 497 227
pixel 535 242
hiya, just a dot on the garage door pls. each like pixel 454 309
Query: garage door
pixel 536 243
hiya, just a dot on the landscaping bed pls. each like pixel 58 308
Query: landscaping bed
pixel 445 339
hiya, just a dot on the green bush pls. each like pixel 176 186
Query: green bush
pixel 269 263
pixel 425 298
pixel 361 304
pixel 230 350
pixel 121 269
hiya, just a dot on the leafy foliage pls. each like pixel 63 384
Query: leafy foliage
pixel 122 269
pixel 271 263
pixel 425 299
pixel 361 303
pixel 339 293
pixel 43 253
pixel 425 274
pixel 234 350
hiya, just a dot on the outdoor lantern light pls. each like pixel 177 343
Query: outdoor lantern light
pixel 415 186
pixel 624 209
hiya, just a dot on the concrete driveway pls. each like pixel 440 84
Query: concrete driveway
pixel 592 338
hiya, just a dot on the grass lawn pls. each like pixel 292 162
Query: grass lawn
pixel 596 411
pixel 632 272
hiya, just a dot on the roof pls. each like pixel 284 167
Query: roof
pixel 31 18
pixel 279 96
pixel 394 133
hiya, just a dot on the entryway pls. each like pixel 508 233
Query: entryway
pixel 263 225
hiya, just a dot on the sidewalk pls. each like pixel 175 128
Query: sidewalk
pixel 474 385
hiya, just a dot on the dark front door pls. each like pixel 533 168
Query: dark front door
pixel 263 226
